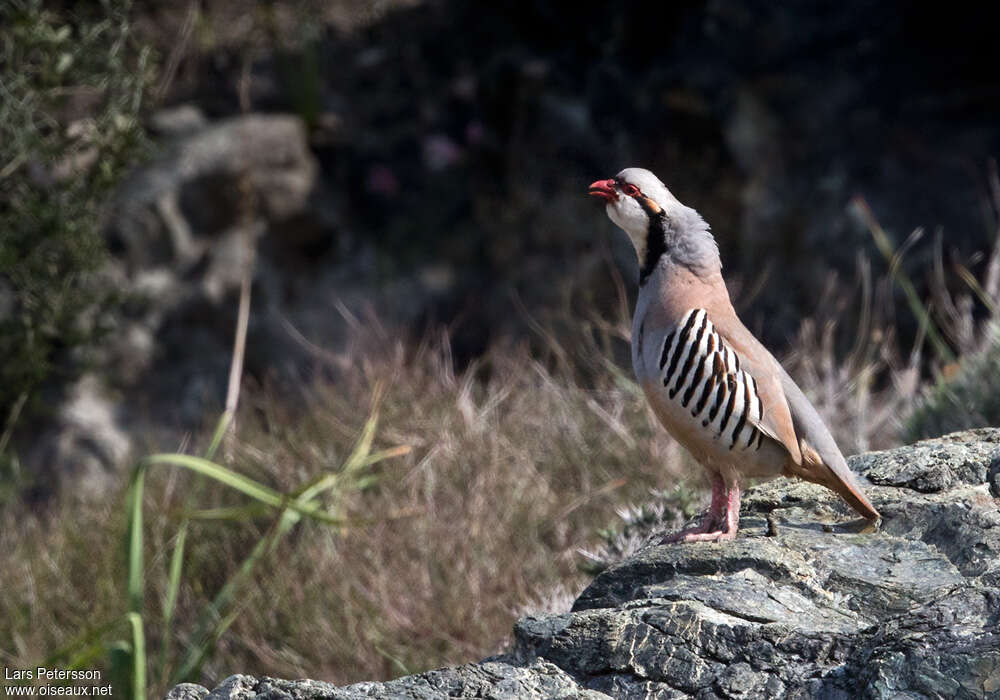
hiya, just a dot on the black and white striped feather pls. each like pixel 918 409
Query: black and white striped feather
pixel 702 373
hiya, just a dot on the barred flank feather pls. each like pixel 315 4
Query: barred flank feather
pixel 696 362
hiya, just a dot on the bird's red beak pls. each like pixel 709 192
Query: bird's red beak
pixel 605 189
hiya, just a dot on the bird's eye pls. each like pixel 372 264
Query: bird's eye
pixel 630 190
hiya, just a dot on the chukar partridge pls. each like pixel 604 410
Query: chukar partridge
pixel 711 383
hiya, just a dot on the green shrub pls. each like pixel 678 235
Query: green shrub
pixel 71 87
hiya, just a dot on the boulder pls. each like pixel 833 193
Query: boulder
pixel 808 602
pixel 183 230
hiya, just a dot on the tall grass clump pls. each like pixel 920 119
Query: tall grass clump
pixel 878 393
pixel 968 398
pixel 966 393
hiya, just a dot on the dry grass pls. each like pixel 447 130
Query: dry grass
pixel 512 466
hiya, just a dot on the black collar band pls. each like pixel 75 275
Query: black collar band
pixel 656 241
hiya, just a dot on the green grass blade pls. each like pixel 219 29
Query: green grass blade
pixel 364 446
pixel 138 657
pixel 174 580
pixel 324 482
pixel 220 432
pixel 232 479
pixel 316 485
pixel 135 562
pixel 365 482
pixel 248 512
pixel 173 590
pixel 238 482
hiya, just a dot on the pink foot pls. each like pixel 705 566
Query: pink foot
pixel 720 522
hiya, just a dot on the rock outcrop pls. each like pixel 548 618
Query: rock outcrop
pixel 806 603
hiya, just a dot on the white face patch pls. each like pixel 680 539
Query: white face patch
pixel 630 217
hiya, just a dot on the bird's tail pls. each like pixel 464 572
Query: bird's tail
pixel 837 477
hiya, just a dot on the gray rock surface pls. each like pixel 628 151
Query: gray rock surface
pixel 806 603
pixel 488 680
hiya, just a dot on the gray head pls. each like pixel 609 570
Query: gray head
pixel 658 225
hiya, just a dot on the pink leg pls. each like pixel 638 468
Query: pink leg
pixel 717 511
pixel 720 522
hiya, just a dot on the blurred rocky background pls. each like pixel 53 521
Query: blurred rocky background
pixel 405 169
pixel 425 163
